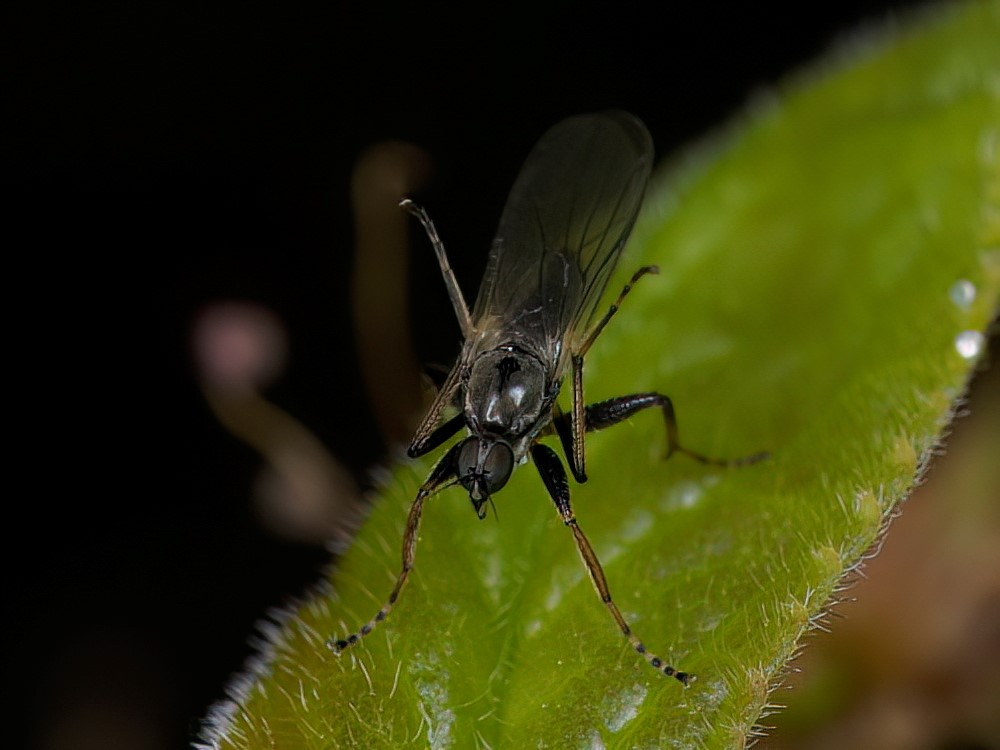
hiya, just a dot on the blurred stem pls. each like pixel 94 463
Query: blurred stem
pixel 315 498
pixel 384 175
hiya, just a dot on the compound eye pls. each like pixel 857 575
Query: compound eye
pixel 468 460
pixel 498 467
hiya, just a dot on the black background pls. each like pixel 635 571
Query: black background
pixel 159 157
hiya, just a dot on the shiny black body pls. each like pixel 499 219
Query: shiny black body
pixel 566 221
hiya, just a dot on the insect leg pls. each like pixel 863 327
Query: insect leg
pixel 614 308
pixel 429 424
pixel 441 434
pixel 442 473
pixel 572 440
pixel 611 412
pixel 454 291
pixel 551 470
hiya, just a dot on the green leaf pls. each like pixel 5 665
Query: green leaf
pixel 812 304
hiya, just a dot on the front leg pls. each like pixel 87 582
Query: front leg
pixel 442 475
pixel 611 412
pixel 551 470
pixel 439 436
pixel 429 432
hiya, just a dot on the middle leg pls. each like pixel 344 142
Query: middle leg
pixel 611 412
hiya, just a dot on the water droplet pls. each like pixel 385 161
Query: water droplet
pixel 969 343
pixel 962 293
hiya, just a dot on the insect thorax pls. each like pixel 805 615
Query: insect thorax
pixel 507 393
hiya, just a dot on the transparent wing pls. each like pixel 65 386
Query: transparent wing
pixel 566 221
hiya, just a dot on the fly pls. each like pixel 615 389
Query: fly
pixel 561 234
